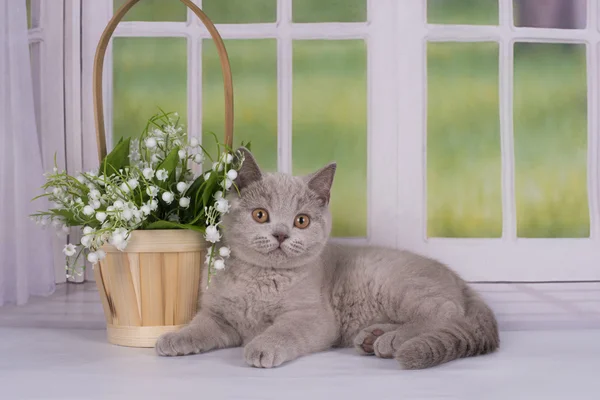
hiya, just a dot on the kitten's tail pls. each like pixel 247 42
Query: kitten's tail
pixel 476 334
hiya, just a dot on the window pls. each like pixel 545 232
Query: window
pixel 499 137
pixel 450 141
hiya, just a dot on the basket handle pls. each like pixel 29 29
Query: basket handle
pixel 99 65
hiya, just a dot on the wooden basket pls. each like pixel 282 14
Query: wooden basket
pixel 153 286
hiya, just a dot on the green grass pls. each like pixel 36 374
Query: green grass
pixel 329 117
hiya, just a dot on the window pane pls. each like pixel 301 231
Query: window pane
pixel 550 122
pixel 154 10
pixel 464 197
pixel 330 124
pixel 329 10
pixel 254 68
pixel 558 14
pixel 33 13
pixel 240 11
pixel 28 5
pixel 148 73
pixel 464 12
pixel 35 57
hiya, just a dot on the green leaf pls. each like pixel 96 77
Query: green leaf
pixel 116 159
pixel 209 189
pixel 170 165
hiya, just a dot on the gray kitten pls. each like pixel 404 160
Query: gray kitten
pixel 287 292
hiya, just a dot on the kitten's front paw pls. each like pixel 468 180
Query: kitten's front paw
pixel 177 344
pixel 262 353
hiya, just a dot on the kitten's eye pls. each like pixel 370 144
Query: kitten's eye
pixel 260 215
pixel 302 221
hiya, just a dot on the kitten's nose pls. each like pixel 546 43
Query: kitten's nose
pixel 280 237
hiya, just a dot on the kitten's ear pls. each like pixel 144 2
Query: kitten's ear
pixel 320 182
pixel 249 172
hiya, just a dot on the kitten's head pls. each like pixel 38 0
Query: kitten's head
pixel 279 221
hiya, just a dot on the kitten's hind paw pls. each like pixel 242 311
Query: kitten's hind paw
pixel 177 344
pixel 365 339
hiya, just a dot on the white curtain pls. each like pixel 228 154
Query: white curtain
pixel 26 258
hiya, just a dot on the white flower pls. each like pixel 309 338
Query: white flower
pixel 150 143
pixel 101 254
pixel 181 187
pixel 101 180
pixel 124 188
pixel 224 252
pixel 80 179
pixel 87 230
pixel 155 158
pixel 173 218
pixel 227 158
pixel 86 240
pixel 153 204
pixel 133 183
pixel 65 229
pixel 207 175
pixel 208 258
pixel 94 194
pixel 95 204
pixel 88 210
pixel 182 154
pixel 199 158
pixel 168 197
pixel 148 173
pixel 217 166
pixel 69 250
pixel 110 208
pixel 232 174
pixel 119 238
pixel 218 195
pixel 222 205
pixel 212 234
pixel 101 216
pixel 93 257
pixel 145 209
pixel 194 142
pixel 162 175
pixel 78 200
pixel 219 264
pixel 184 202
pixel 127 214
pixel 57 192
pixel 152 191
pixel 227 183
pixel 118 204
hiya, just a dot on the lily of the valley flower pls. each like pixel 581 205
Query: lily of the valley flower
pixel 224 252
pixel 232 174
pixel 88 210
pixel 152 191
pixel 101 216
pixel 182 187
pixel 162 175
pixel 150 143
pixel 168 197
pixel 69 250
pixel 199 158
pixel 212 234
pixel 184 202
pixel 222 205
pixel 219 264
pixel 148 173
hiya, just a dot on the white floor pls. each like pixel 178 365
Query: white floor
pixel 55 348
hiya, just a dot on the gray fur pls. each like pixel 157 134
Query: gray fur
pixel 311 295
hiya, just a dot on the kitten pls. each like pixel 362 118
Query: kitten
pixel 287 292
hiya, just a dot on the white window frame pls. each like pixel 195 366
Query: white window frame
pixel 49 35
pixel 377 31
pixel 396 34
pixel 508 258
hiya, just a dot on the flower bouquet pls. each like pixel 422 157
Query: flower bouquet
pixel 146 187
